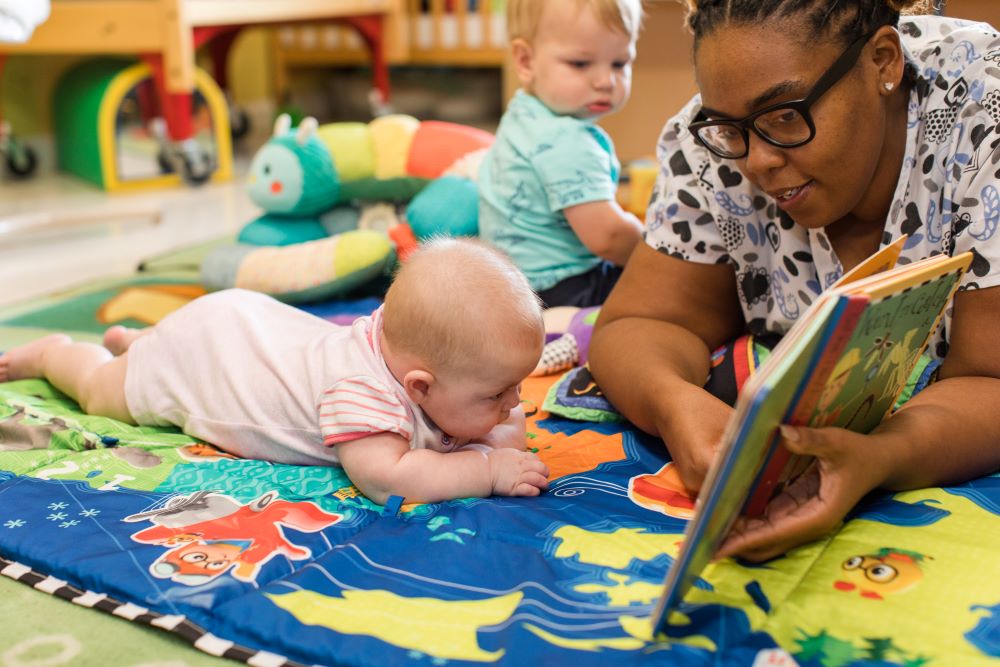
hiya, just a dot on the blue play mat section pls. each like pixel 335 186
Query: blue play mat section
pixel 286 565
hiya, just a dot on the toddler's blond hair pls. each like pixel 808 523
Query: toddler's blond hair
pixel 624 16
pixel 458 304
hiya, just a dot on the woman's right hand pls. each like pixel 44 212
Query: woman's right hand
pixel 691 428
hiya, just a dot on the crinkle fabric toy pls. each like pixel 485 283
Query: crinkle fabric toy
pixel 568 341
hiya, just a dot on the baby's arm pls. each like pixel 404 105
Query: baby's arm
pixel 605 228
pixel 509 433
pixel 383 464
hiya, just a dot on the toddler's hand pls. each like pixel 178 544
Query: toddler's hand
pixel 517 473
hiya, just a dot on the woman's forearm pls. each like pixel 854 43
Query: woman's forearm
pixel 946 434
pixel 639 362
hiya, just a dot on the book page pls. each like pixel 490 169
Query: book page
pixel 876 361
pixel 883 260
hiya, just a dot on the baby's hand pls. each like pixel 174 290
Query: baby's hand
pixel 508 433
pixel 517 473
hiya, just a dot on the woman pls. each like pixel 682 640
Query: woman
pixel 823 130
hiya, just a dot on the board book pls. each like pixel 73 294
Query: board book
pixel 843 363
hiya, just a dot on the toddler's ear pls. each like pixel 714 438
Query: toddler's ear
pixel 523 57
pixel 417 383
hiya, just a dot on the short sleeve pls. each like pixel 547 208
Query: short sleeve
pixel 976 211
pixel 576 165
pixel 360 406
pixel 679 221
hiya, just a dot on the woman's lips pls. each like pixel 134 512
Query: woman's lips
pixel 791 197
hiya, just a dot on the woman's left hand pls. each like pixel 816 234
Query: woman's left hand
pixel 847 465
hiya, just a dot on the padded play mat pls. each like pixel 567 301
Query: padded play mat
pixel 200 554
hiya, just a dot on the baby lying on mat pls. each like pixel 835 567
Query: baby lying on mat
pixel 419 400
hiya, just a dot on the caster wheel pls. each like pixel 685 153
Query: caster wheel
pixel 21 160
pixel 166 166
pixel 195 170
pixel 191 160
pixel 239 123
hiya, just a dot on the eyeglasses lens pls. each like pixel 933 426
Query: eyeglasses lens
pixel 784 127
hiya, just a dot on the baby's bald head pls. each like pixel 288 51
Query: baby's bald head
pixel 458 304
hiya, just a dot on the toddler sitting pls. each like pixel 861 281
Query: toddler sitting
pixel 547 185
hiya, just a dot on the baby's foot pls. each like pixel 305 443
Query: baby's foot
pixel 24 361
pixel 118 338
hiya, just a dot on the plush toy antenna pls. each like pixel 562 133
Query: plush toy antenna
pixel 282 124
pixel 307 128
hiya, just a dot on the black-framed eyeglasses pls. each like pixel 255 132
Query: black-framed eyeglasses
pixel 785 124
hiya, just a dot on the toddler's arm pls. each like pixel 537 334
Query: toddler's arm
pixel 382 465
pixel 605 228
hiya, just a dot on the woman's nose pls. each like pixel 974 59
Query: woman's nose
pixel 762 156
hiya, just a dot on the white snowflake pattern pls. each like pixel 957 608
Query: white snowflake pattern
pixel 69 524
pixel 57 506
pixel 56 516
pixel 14 523
pixel 90 513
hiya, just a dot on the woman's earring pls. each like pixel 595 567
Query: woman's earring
pixel 888 86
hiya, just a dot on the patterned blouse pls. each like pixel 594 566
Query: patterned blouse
pixel 947 198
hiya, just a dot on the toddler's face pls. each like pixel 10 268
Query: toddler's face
pixel 578 66
pixel 470 405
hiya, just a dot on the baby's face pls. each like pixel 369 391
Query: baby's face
pixel 579 67
pixel 468 406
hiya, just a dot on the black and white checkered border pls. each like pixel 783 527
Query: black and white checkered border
pixel 179 625
pixel 956 273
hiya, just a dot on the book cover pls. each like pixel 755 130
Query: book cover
pixel 863 367
pixel 843 363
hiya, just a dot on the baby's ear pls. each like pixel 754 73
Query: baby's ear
pixel 417 383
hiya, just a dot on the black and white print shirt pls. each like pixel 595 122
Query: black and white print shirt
pixel 947 198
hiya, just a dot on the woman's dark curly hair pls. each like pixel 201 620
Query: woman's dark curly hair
pixel 847 19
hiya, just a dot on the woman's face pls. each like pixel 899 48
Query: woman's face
pixel 742 69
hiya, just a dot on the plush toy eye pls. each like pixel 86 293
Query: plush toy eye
pixel 194 557
pixel 267 170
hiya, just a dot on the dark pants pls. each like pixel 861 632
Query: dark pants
pixel 734 363
pixel 586 289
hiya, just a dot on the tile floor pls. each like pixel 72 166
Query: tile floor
pixel 47 258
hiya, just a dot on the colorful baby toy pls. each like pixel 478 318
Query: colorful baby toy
pixel 312 242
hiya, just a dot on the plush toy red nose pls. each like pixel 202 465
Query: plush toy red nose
pixel 276 187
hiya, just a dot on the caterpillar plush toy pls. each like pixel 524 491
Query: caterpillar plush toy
pixel 310 182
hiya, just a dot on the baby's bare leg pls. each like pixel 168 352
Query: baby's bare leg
pixel 24 361
pixel 119 339
pixel 88 373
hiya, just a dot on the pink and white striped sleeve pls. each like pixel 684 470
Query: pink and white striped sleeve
pixel 360 406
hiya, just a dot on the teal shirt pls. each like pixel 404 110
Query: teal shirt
pixel 540 164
